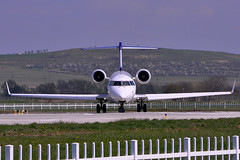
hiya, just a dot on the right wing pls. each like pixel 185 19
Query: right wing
pixel 152 97
pixel 61 96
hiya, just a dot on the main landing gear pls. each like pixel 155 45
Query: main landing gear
pixel 141 106
pixel 101 106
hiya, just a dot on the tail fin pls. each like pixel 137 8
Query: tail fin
pixel 120 56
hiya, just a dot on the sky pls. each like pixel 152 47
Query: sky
pixel 65 24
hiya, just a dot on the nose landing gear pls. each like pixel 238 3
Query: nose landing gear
pixel 121 108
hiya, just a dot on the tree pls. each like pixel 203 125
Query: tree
pixel 62 86
pixel 79 87
pixel 179 87
pixel 147 88
pixel 48 88
pixel 212 84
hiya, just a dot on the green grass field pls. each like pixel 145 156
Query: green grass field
pixel 115 131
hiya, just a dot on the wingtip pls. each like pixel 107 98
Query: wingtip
pixel 8 90
pixel 233 86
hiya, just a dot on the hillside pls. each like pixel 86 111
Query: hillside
pixel 164 64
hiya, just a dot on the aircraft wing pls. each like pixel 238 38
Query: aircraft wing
pixel 152 97
pixel 60 96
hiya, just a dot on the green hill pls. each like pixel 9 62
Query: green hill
pixel 165 65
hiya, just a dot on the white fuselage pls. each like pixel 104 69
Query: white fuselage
pixel 121 87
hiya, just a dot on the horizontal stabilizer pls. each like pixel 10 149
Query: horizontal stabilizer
pixel 108 47
pixel 121 47
pixel 137 47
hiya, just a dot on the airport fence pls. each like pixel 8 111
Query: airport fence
pixel 188 149
pixel 151 105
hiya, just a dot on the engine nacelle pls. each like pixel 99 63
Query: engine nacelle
pixel 98 76
pixel 143 76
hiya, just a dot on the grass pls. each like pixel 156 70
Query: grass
pixel 114 131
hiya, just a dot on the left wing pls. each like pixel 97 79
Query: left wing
pixel 152 97
pixel 61 96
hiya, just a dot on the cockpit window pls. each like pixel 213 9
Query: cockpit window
pixel 117 83
pixel 121 83
pixel 125 83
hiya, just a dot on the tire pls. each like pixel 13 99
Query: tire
pixel 138 108
pixel 104 108
pixel 98 108
pixel 121 110
pixel 144 108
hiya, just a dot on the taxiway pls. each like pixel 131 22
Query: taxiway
pixel 108 117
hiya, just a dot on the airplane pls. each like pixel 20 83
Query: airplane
pixel 121 87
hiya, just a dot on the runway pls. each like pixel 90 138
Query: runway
pixel 108 117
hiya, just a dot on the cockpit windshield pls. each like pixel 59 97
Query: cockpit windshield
pixel 125 83
pixel 121 83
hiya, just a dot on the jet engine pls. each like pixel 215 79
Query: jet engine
pixel 143 76
pixel 98 76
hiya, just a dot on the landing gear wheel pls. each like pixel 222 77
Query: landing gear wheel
pixel 144 108
pixel 121 110
pixel 138 108
pixel 104 108
pixel 101 106
pixel 141 106
pixel 98 108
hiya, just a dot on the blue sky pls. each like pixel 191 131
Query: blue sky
pixel 64 24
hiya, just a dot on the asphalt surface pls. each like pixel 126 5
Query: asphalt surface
pixel 107 117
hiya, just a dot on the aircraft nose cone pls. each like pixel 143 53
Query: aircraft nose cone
pixel 122 96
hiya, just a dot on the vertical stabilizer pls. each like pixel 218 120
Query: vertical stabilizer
pixel 120 56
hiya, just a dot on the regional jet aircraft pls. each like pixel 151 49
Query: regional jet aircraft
pixel 121 88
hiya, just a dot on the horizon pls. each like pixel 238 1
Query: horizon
pixel 41 51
